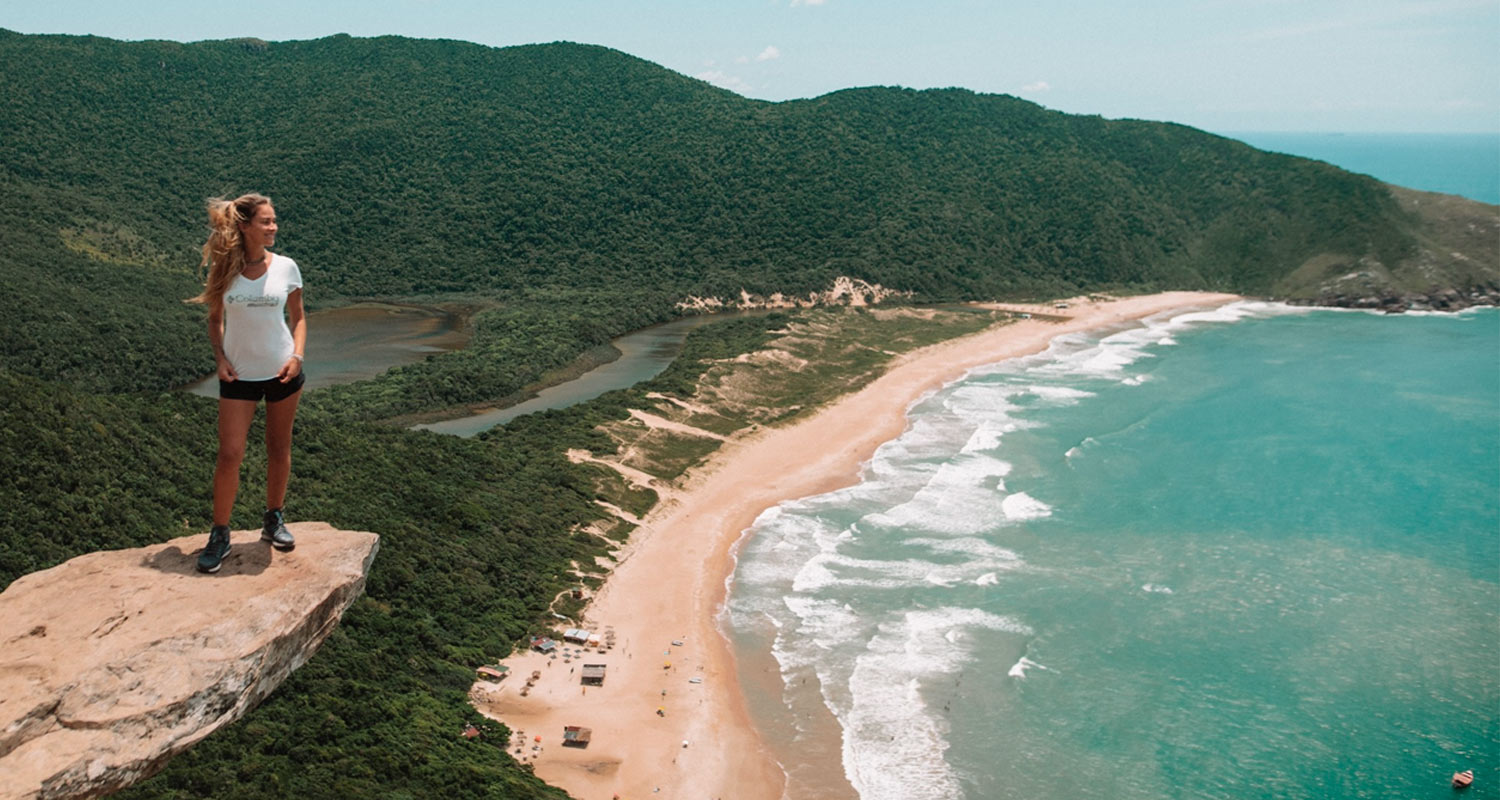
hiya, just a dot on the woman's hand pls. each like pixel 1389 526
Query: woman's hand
pixel 226 371
pixel 291 369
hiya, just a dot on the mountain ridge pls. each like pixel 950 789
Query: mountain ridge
pixel 516 131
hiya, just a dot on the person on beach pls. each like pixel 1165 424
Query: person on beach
pixel 250 293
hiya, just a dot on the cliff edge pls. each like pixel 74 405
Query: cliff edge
pixel 113 662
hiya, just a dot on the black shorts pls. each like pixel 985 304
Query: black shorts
pixel 272 390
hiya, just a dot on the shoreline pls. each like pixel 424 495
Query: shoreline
pixel 663 598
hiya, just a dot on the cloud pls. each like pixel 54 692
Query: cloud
pixel 1039 86
pixel 769 53
pixel 724 81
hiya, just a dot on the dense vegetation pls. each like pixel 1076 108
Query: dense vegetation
pixel 576 193
pixel 407 167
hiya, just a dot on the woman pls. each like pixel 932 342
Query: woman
pixel 259 356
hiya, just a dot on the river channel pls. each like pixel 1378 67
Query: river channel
pixel 644 354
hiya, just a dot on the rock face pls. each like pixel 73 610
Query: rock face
pixel 114 662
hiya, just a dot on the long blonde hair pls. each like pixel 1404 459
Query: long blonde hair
pixel 224 252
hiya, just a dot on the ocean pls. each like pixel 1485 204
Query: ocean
pixel 1466 164
pixel 1244 553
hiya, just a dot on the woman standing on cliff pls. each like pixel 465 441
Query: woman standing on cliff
pixel 259 356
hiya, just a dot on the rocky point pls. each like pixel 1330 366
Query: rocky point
pixel 113 662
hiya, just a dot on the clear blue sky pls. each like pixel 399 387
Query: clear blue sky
pixel 1222 65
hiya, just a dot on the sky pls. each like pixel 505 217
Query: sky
pixel 1221 65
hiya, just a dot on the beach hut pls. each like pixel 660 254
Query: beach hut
pixel 542 644
pixel 495 673
pixel 593 674
pixel 576 635
pixel 470 731
pixel 574 736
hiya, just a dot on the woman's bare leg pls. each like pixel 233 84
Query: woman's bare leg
pixel 235 417
pixel 279 418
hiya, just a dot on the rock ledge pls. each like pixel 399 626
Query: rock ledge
pixel 113 662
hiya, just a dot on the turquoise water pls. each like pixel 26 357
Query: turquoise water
pixel 1247 553
pixel 1466 164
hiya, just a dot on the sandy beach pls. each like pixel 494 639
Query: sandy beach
pixel 663 598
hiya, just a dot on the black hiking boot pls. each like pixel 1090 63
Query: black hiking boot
pixel 275 531
pixel 212 556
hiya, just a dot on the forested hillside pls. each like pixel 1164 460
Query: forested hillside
pixel 410 167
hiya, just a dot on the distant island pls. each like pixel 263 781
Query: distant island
pixel 570 193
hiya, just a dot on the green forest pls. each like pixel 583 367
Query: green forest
pixel 574 193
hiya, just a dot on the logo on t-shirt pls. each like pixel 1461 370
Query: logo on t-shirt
pixel 253 300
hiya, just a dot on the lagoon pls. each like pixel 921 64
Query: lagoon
pixel 363 340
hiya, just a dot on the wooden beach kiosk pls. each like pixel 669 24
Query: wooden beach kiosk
pixel 574 736
pixel 593 674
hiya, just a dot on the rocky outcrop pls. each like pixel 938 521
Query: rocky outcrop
pixel 845 291
pixel 1454 262
pixel 1384 298
pixel 115 661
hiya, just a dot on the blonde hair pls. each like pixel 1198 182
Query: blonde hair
pixel 224 252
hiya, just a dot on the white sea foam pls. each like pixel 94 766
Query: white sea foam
pixel 987 579
pixel 1060 394
pixel 978 550
pixel 1155 588
pixel 893 742
pixel 983 400
pixel 960 498
pixel 833 569
pixel 1080 355
pixel 1022 506
pixel 987 436
pixel 1018 669
pixel 814 575
pixel 781 544
pixel 944 578
pixel 824 623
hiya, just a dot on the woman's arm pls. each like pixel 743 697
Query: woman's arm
pixel 216 338
pixel 298 321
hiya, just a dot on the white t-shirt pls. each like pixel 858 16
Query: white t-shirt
pixel 256 338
